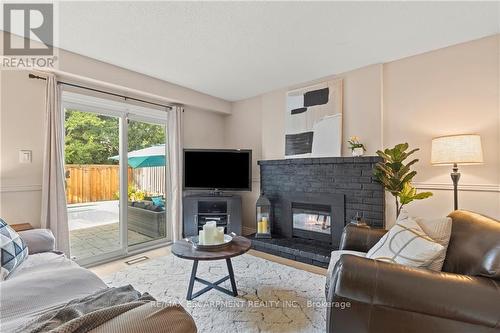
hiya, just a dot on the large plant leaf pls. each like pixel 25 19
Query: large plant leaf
pixel 384 170
pixel 396 176
pixel 405 169
pixel 410 152
pixel 409 193
pixel 384 155
pixel 401 147
pixel 422 195
pixel 408 177
pixel 395 166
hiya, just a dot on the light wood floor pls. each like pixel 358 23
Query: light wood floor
pixel 114 266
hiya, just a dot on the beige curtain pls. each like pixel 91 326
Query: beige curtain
pixel 54 214
pixel 174 132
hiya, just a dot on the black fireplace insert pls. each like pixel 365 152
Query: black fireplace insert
pixel 312 221
pixel 319 217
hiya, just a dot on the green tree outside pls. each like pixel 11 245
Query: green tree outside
pixel 93 139
pixel 142 135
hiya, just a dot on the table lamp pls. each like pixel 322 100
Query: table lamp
pixel 453 150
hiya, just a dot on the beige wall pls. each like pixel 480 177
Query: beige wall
pixel 243 130
pixel 361 114
pixel 21 118
pixel 363 108
pixel 452 90
pixel 273 125
pixel 203 129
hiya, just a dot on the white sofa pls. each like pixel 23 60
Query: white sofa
pixel 44 280
pixel 47 280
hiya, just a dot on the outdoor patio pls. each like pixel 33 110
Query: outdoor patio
pixel 92 191
pixel 94 229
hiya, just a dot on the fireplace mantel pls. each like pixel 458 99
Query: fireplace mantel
pixel 323 160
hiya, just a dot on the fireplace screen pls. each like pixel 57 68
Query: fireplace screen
pixel 311 217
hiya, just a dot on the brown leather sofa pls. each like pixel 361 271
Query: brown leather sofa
pixel 366 295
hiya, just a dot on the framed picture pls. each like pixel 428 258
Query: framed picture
pixel 313 121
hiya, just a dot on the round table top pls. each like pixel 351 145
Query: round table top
pixel 184 249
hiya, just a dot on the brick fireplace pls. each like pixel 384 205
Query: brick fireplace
pixel 313 199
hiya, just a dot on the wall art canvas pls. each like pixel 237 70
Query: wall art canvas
pixel 313 121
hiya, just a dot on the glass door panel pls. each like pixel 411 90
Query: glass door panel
pixel 93 184
pixel 146 206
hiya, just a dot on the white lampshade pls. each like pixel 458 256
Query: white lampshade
pixel 459 149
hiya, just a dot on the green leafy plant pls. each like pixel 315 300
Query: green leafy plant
pixel 134 194
pixel 396 176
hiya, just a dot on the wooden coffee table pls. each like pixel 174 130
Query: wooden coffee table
pixel 184 249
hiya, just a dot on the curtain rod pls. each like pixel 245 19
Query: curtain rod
pixel 33 76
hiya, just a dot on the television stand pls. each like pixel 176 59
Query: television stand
pixel 199 209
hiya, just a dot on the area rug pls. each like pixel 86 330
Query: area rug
pixel 272 297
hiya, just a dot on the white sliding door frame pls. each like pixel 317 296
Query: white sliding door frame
pixel 124 112
pixel 167 239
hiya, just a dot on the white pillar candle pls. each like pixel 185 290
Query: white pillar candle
pixel 220 235
pixel 210 230
pixel 201 238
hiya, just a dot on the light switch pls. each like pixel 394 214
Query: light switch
pixel 25 156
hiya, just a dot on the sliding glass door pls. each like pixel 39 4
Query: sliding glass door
pixel 92 168
pixel 146 213
pixel 115 162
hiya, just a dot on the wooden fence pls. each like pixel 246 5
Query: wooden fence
pixel 92 182
pixel 150 180
pixel 95 182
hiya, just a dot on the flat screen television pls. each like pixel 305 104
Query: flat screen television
pixel 220 169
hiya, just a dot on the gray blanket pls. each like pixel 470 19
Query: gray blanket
pixel 85 314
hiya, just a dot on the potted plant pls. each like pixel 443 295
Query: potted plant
pixel 134 194
pixel 396 176
pixel 356 147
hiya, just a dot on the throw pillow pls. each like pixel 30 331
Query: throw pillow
pixel 406 244
pixel 13 250
pixel 439 229
pixel 158 201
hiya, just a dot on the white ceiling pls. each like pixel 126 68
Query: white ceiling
pixel 241 49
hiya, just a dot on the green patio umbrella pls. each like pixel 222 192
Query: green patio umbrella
pixel 147 157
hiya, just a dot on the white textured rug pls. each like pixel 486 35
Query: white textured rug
pixel 272 297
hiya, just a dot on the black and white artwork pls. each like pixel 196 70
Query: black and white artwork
pixel 314 121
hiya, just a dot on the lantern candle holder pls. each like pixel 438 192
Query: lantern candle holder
pixel 263 217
